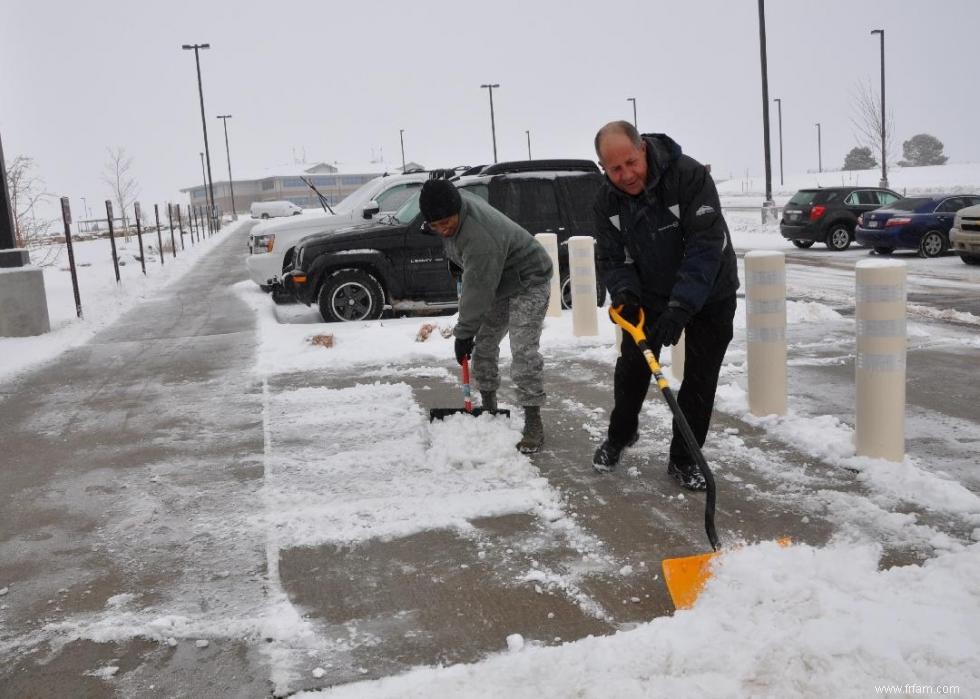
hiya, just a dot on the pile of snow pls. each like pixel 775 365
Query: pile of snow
pixel 773 622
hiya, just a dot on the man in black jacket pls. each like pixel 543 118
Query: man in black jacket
pixel 663 246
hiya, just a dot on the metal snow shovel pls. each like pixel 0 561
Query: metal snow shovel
pixel 685 577
pixel 440 413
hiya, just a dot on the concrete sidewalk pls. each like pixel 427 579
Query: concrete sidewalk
pixel 133 466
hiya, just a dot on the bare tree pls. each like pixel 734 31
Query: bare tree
pixel 26 191
pixel 866 120
pixel 117 174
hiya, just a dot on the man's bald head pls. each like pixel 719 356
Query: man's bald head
pixel 622 154
pixel 619 128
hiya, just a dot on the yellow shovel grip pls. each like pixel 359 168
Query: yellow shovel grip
pixel 640 338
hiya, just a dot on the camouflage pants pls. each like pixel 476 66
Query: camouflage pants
pixel 523 317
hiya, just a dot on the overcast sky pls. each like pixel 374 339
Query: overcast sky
pixel 337 80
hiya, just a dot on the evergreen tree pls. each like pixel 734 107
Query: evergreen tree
pixel 859 158
pixel 923 149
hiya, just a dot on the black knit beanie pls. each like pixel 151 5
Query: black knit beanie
pixel 438 200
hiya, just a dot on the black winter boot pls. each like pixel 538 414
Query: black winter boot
pixel 607 455
pixel 533 436
pixel 488 400
pixel 688 475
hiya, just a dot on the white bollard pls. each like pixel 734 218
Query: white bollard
pixel 677 359
pixel 549 241
pixel 765 331
pixel 581 263
pixel 880 365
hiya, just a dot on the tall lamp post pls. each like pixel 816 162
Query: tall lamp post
pixel 528 144
pixel 768 206
pixel 204 124
pixel 884 155
pixel 633 100
pixel 231 184
pixel 819 150
pixel 401 136
pixel 779 106
pixel 205 178
pixel 493 126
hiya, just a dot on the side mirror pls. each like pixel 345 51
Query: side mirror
pixel 370 209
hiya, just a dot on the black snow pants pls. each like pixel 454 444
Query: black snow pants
pixel 707 335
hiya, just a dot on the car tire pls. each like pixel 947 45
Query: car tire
pixel 803 243
pixel 265 216
pixel 933 244
pixel 350 295
pixel 881 250
pixel 839 237
pixel 971 259
pixel 566 293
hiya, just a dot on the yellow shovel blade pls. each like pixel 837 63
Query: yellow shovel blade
pixel 685 577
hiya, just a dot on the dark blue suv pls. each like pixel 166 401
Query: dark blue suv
pixel 914 223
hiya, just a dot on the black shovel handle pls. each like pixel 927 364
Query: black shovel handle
pixel 636 332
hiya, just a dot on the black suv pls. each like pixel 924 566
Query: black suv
pixel 354 273
pixel 830 214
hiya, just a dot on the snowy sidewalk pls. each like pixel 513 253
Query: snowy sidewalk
pixel 198 501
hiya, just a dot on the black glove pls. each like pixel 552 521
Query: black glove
pixel 464 348
pixel 630 310
pixel 668 327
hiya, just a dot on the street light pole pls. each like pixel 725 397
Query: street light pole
pixel 768 206
pixel 204 124
pixel 633 100
pixel 231 184
pixel 779 105
pixel 819 150
pixel 884 155
pixel 401 136
pixel 205 178
pixel 528 144
pixel 493 126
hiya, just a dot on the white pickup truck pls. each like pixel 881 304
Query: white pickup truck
pixel 964 236
pixel 269 241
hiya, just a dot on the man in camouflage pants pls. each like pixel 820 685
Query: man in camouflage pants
pixel 506 275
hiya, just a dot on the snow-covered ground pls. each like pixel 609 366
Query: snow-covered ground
pixel 103 299
pixel 774 622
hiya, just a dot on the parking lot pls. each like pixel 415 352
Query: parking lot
pixel 209 520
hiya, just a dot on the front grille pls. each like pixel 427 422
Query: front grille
pixel 970 224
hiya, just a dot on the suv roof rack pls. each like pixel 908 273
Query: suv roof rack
pixel 540 165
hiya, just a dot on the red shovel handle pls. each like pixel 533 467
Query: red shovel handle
pixel 467 395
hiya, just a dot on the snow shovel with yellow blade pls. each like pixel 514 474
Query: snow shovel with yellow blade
pixel 685 577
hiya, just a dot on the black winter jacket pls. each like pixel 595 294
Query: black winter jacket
pixel 669 245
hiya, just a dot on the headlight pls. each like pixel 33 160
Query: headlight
pixel 298 264
pixel 264 243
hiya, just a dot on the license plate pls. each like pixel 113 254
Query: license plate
pixel 872 224
pixel 794 217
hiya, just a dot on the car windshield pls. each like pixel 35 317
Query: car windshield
pixel 409 210
pixel 911 203
pixel 358 198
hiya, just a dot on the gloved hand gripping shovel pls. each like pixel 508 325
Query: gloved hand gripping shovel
pixel 685 577
pixel 440 413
